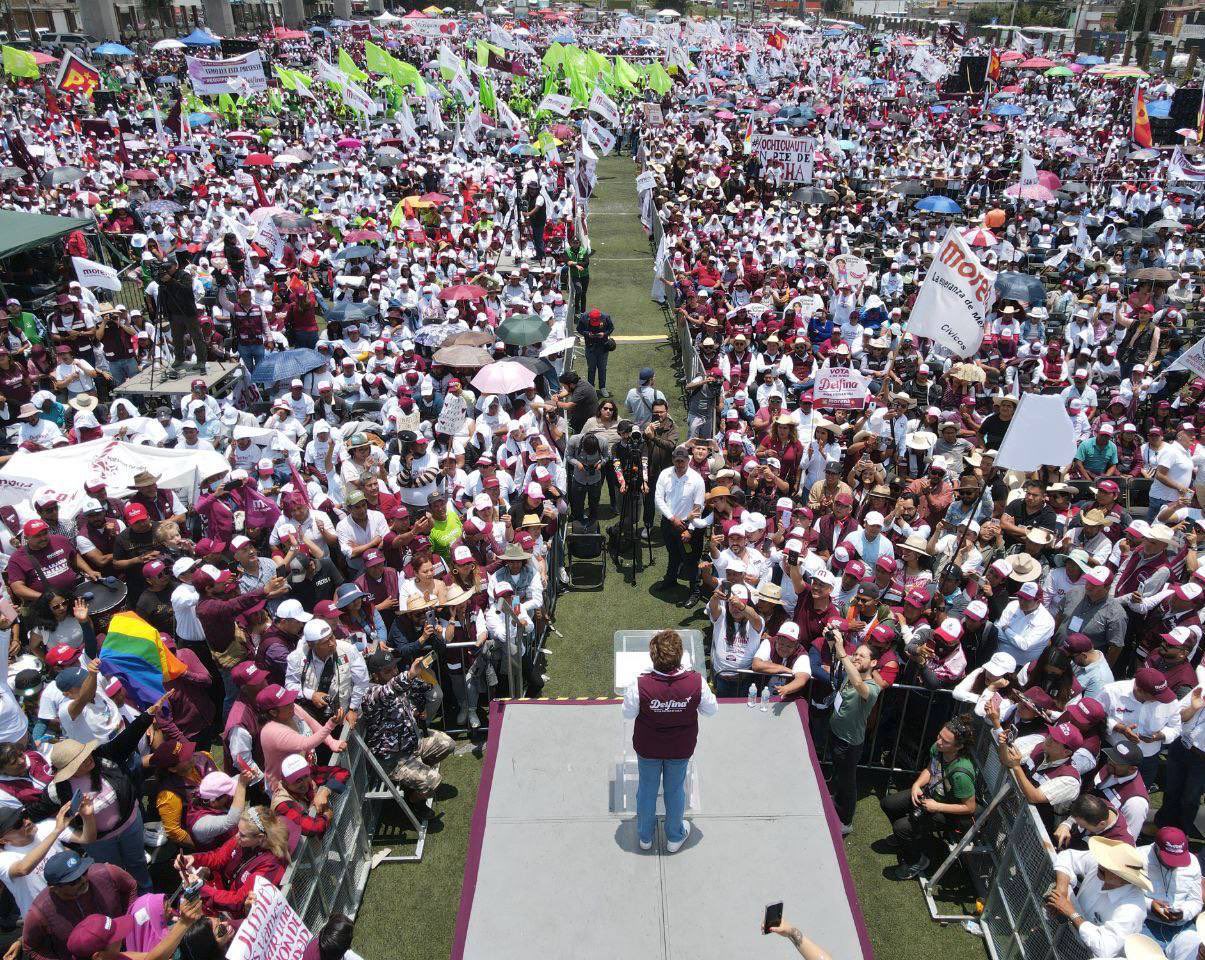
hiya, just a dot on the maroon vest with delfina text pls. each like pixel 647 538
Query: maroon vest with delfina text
pixel 667 726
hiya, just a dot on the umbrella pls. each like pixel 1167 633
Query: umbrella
pixel 362 236
pixel 522 330
pixel 434 334
pixel 286 365
pixel 462 355
pixel 1031 191
pixel 1139 235
pixel 1166 224
pixel 86 197
pixel 471 338
pixel 1156 275
pixel 388 157
pixel 199 119
pixel 171 43
pixel 60 175
pixel 1007 110
pixel 1143 153
pixel 1036 63
pixel 242 135
pixel 349 143
pixel 346 310
pixel 293 222
pixel 436 198
pixel 161 206
pixel 502 377
pixel 355 253
pixel 327 166
pixel 11 173
pixel 140 174
pixel 257 160
pixel 463 291
pixel 1048 178
pixel 111 49
pixel 938 204
pixel 285 160
pixel 537 365
pixel 980 237
pixel 1060 72
pixel 814 195
pixel 1020 286
pixel 1075 188
pixel 909 188
pixel 1010 55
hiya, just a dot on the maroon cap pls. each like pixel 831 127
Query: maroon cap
pixel 1039 698
pixel 1151 681
pixel 273 696
pixel 887 564
pixel 326 610
pixel 397 512
pixel 1067 734
pixel 1171 847
pixel 1085 713
pixel 247 674
pixel 373 558
pixel 1077 643
pixel 172 753
pixel 844 499
pixel 153 569
pixel 916 598
pixel 1108 486
pixel 96 932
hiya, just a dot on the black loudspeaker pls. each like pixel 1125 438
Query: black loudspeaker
pixel 968 78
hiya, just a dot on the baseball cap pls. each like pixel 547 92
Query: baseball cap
pixel 33 527
pixel 373 558
pixel 1067 734
pixel 1124 752
pixel 1077 643
pixel 789 629
pixel 62 654
pixel 136 512
pixel 950 631
pixel 247 674
pixel 1000 664
pixel 153 569
pixel 1151 681
pixel 462 554
pixel 71 679
pixel 182 566
pixel 1190 592
pixel 975 611
pixel 293 610
pixel 294 767
pixel 1171 847
pixel 1097 576
pixel 379 661
pixel 873 519
pixel 1030 591
pixel 66 866
pixel 315 631
pixel 273 696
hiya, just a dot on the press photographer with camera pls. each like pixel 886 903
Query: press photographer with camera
pixel 941 796
pixel 855 699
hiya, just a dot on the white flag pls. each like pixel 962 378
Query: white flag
pixel 93 274
pixel 358 99
pixel 269 237
pixel 434 120
pixel 330 73
pixel 507 116
pixel 556 103
pixel 605 107
pixel 1039 434
pixel 1029 170
pixel 955 299
pixel 1191 359
pixel 460 84
pixel 603 138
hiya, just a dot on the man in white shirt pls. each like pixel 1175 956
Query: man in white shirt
pixel 329 674
pixel 868 541
pixel 1144 711
pixel 1175 900
pixel 679 500
pixel 86 713
pixel 360 531
pixel 25 847
pixel 184 603
pixel 1025 625
pixel 1107 904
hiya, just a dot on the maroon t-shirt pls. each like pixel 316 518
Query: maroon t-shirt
pixel 15 386
pixel 54 562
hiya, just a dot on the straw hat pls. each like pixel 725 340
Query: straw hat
pixel 1121 859
pixel 1041 536
pixel 717 492
pixel 1093 518
pixel 83 402
pixel 419 602
pixel 1161 532
pixel 920 440
pixel 917 544
pixel 1141 947
pixel 1024 568
pixel 770 592
pixel 66 756
pixel 458 594
pixel 515 552
pixel 144 478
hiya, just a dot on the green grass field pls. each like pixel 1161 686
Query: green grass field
pixel 409 910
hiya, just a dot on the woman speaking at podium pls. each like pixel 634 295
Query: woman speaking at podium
pixel 665 702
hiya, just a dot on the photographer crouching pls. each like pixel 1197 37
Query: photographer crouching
pixel 941 796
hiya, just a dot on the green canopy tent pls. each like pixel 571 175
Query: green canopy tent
pixel 25 231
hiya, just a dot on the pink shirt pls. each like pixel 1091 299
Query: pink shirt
pixel 280 739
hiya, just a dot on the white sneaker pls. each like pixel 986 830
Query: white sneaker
pixel 847 829
pixel 675 847
pixel 474 722
pixel 645 844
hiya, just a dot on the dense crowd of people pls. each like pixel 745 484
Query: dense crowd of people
pixel 374 552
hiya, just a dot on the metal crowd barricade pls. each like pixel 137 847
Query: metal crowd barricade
pixel 1010 859
pixel 328 874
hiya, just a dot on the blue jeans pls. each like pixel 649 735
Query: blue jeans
pixel 1164 933
pixel 125 850
pixel 1155 507
pixel 304 338
pixel 122 370
pixel 671 774
pixel 252 354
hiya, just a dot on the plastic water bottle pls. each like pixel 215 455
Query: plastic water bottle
pixel 752 701
pixel 765 698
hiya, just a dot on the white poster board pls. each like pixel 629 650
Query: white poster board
pixel 840 388
pixel 217 76
pixel 272 929
pixel 786 159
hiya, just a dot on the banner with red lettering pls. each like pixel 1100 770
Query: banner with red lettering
pixel 955 299
pixel 272 930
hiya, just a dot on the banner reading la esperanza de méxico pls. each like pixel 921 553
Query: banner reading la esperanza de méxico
pixel 955 299
pixel 216 76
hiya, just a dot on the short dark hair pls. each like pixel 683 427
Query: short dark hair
pixel 334 939
pixel 1090 808
pixel 570 378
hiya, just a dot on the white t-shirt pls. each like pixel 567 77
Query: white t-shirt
pixel 801 663
pixel 99 720
pixel 1179 467
pixel 25 889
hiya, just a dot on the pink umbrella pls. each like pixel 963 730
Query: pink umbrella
pixel 257 160
pixel 1076 67
pixel 725 115
pixel 1009 55
pixel 1036 63
pixel 992 128
pixel 463 291
pixel 349 143
pixel 241 135
pixel 980 237
pixel 1049 179
pixel 503 376
pixel 1034 191
pixel 86 197
pixel 361 236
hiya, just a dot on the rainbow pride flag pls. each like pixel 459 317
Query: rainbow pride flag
pixel 134 654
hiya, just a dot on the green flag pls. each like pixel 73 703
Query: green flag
pixel 484 50
pixel 225 103
pixel 286 77
pixel 485 92
pixel 596 63
pixel 658 79
pixel 376 59
pixel 348 66
pixel 553 57
pixel 398 216
pixel 579 86
pixel 20 63
pixel 625 75
pixel 275 102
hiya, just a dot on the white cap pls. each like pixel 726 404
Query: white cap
pixel 999 664
pixel 293 763
pixel 295 383
pixel 237 543
pixel 873 519
pixel 316 630
pixel 182 566
pixel 826 577
pixel 789 629
pixel 293 610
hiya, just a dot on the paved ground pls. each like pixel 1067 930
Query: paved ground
pixel 409 910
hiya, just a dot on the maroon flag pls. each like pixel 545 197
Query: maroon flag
pixel 21 155
pixel 123 158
